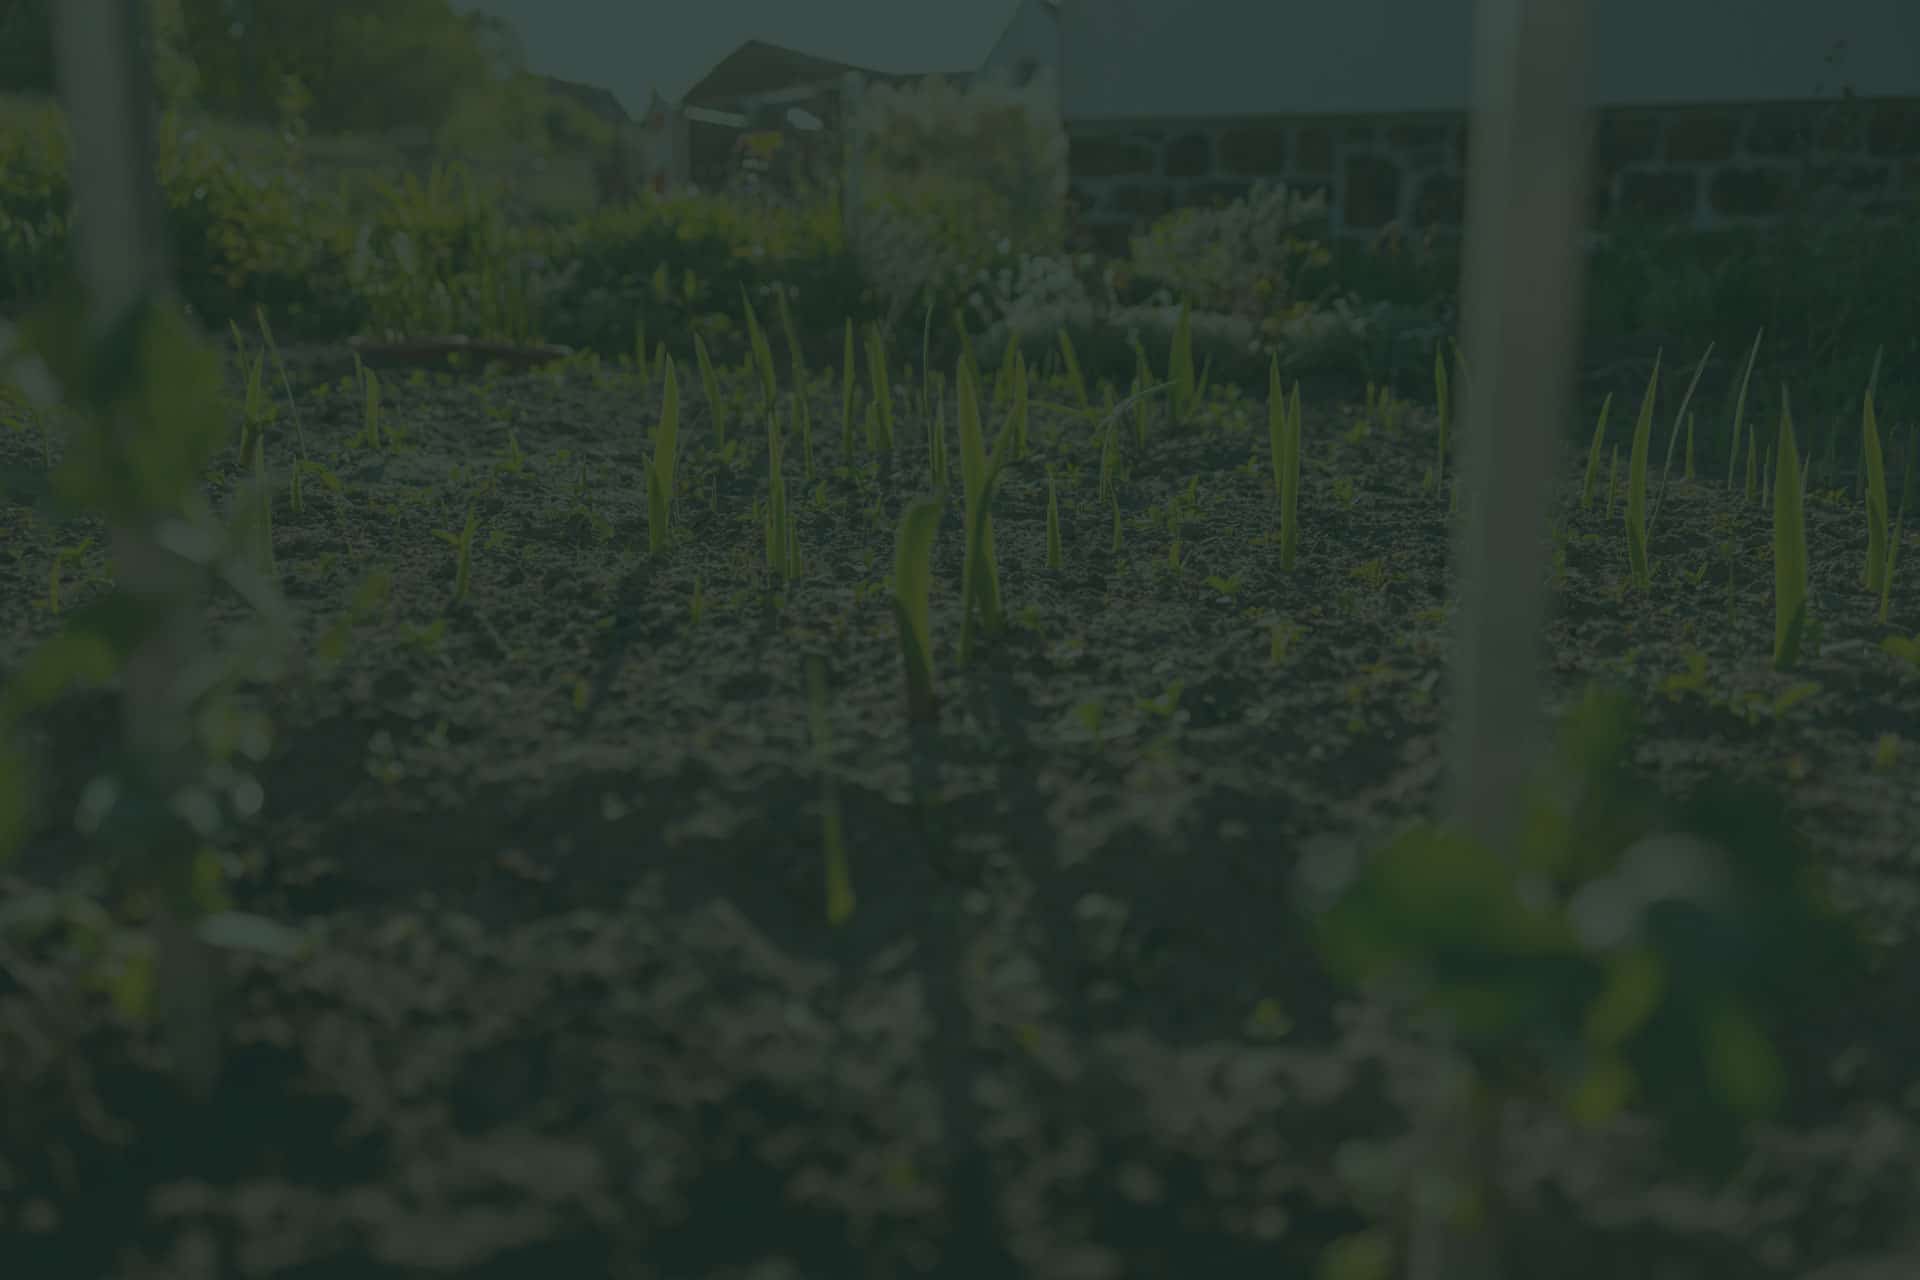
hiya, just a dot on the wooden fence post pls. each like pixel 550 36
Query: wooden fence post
pixel 1521 292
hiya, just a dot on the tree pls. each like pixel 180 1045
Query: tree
pixel 369 65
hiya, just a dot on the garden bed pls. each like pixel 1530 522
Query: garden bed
pixel 574 1006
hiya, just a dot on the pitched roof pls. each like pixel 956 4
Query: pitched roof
pixel 601 102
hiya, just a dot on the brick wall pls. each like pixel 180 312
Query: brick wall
pixel 1703 167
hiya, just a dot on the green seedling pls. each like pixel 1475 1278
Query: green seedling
pixel 1893 555
pixel 462 544
pixel 710 384
pixel 1637 485
pixel 1109 447
pixel 1180 366
pixel 640 349
pixel 660 473
pixel 1056 556
pixel 1075 382
pixel 882 389
pixel 1593 454
pixel 912 583
pixel 1018 412
pixel 966 344
pixel 776 524
pixel 370 406
pixel 795 356
pixel 1003 376
pixel 1142 378
pixel 937 448
pixel 1613 480
pixel 979 475
pixel 840 898
pixel 1673 437
pixel 1228 587
pixel 1283 441
pixel 1753 467
pixel 846 390
pixel 1789 548
pixel 1688 476
pixel 761 354
pixel 803 424
pixel 1876 479
pixel 1739 417
pixel 1443 400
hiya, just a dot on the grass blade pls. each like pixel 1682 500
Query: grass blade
pixel 1789 548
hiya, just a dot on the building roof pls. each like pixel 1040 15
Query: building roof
pixel 601 102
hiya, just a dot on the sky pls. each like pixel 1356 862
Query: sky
pixel 632 46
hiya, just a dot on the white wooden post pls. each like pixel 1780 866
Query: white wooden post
pixel 1521 291
pixel 104 58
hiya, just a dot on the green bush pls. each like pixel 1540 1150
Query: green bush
pixel 631 265
pixel 996 185
pixel 34 199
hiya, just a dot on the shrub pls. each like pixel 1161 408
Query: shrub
pixel 632 264
pixel 1001 177
pixel 34 199
pixel 1240 260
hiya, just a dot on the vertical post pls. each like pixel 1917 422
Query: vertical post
pixel 1522 292
pixel 103 58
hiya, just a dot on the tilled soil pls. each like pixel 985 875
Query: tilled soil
pixel 574 1007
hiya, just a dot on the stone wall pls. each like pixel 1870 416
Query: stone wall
pixel 1703 167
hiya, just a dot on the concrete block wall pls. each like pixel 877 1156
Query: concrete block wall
pixel 1697 166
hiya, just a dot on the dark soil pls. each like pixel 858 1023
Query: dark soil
pixel 574 1007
